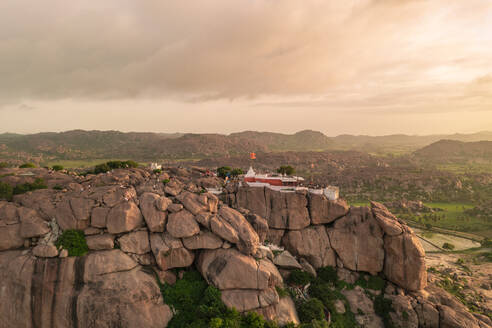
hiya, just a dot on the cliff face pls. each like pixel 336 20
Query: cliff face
pixel 137 227
pixel 330 233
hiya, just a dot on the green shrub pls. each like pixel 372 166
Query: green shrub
pixel 236 172
pixel 328 274
pixel 6 191
pixel 448 246
pixel 198 305
pixel 74 242
pixel 101 168
pixel 27 166
pixel 372 282
pixel 282 292
pixel 312 309
pixel 224 171
pixel 316 324
pixel 25 187
pixel 57 187
pixel 4 165
pixel 111 165
pixel 157 171
pixel 57 167
pixel 122 164
pixel 299 278
pixel 165 181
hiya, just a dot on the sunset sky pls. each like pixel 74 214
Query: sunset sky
pixel 341 66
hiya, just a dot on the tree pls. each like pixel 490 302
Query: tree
pixel 286 169
pixel 236 172
pixel 224 171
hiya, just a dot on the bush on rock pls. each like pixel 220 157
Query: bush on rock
pixel 74 242
pixel 198 305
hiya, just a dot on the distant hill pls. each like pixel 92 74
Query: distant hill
pixel 87 145
pixel 79 144
pixel 452 151
pixel 400 142
pixel 300 141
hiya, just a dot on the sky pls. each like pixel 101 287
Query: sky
pixel 371 67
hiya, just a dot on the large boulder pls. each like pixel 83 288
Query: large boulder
pixel 404 263
pixel 203 240
pixel 286 312
pixel 362 306
pixel 248 238
pixel 135 242
pixel 223 229
pixel 169 252
pixel 358 241
pixel 124 217
pixel 311 243
pixel 322 210
pixel 154 217
pixel 52 292
pixel 32 225
pixel 403 314
pixel 8 213
pixel 10 237
pixel 259 224
pixel 45 251
pixel 254 199
pixel 99 217
pixel 100 242
pixel 230 269
pixel 66 218
pixel 182 224
pixel 386 220
pixel 195 203
pixel 288 210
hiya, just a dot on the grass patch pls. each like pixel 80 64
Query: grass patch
pixel 74 242
pixel 452 216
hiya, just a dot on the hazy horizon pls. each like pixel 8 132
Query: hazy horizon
pixel 258 131
pixel 362 67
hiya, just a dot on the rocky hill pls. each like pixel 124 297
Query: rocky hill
pixel 97 251
pixel 452 151
pixel 86 145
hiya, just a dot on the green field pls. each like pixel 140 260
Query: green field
pixel 466 168
pixel 452 217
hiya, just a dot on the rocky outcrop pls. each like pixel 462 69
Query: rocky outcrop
pixel 358 241
pixel 357 238
pixel 404 262
pixel 323 211
pixel 312 244
pixel 131 220
pixel 153 209
pixel 246 284
pixel 169 252
pixel 124 217
pixel 78 292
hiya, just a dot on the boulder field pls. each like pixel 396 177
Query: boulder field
pixel 139 229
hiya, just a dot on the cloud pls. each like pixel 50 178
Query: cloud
pixel 368 55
